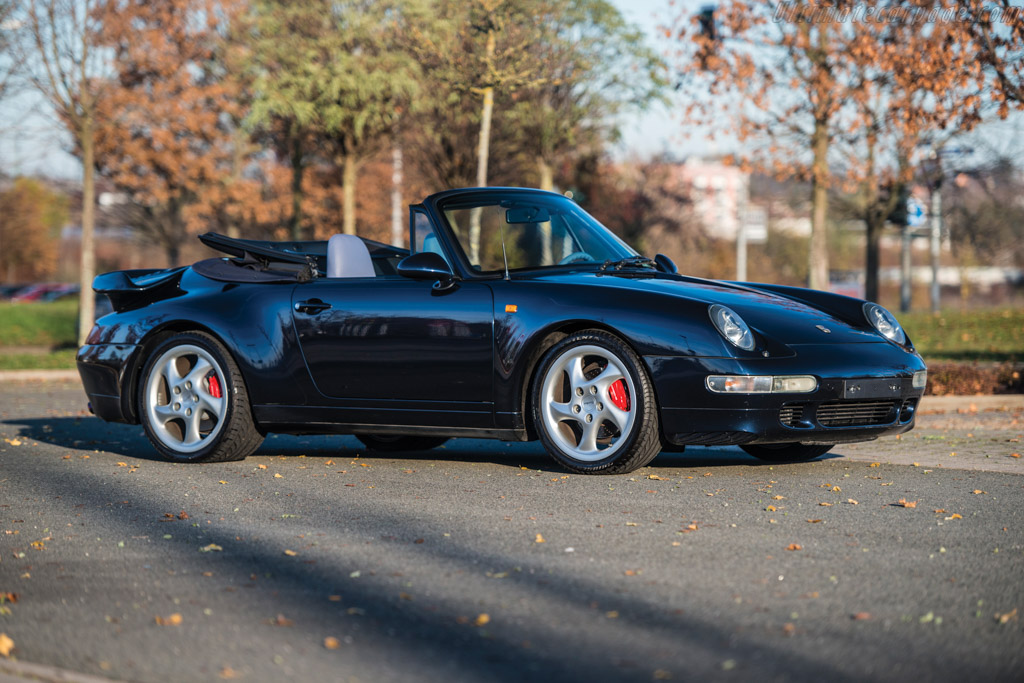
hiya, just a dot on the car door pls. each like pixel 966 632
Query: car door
pixel 395 351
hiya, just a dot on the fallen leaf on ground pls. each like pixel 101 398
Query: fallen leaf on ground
pixel 825 505
pixel 1003 618
pixel 210 548
pixel 262 467
pixel 282 620
pixel 227 673
pixel 182 515
pixel 861 616
pixel 334 598
pixel 122 464
pixel 173 620
pixel 8 597
pixel 770 508
pixel 955 515
pixel 794 546
pixel 1014 455
pixel 851 501
pixel 222 481
pixel 539 539
pixel 978 492
pixel 904 503
pixel 656 477
pixel 482 620
pixel 331 643
pixel 290 553
pixel 875 464
pixel 813 521
pixel 940 511
pixel 612 614
pixel 278 476
pixel 6 645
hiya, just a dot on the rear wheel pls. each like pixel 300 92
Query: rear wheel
pixel 593 405
pixel 380 442
pixel 193 403
pixel 787 452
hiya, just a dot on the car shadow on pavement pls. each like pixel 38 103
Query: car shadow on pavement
pixel 86 433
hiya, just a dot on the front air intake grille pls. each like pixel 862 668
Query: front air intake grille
pixel 856 413
pixel 792 415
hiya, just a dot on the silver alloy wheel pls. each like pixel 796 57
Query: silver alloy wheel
pixel 579 414
pixel 182 412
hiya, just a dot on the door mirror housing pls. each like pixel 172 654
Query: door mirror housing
pixel 426 265
pixel 665 264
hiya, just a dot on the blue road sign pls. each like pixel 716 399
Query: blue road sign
pixel 917 216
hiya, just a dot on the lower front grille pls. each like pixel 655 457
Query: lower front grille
pixel 713 438
pixel 856 413
pixel 792 415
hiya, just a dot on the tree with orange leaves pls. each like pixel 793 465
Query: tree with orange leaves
pixel 777 86
pixel 165 136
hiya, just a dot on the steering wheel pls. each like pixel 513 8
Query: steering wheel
pixel 574 257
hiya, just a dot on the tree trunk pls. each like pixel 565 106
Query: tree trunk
pixel 348 191
pixel 482 155
pixel 873 234
pixel 295 158
pixel 397 232
pixel 87 301
pixel 547 174
pixel 818 257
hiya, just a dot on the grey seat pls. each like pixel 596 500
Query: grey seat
pixel 347 256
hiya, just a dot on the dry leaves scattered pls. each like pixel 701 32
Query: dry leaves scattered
pixel 539 539
pixel 173 620
pixel 904 503
pixel 794 546
pixel 6 645
pixel 482 620
pixel 331 643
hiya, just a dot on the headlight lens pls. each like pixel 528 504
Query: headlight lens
pixel 885 322
pixel 732 327
pixel 761 384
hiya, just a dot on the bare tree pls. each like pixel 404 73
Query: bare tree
pixel 58 48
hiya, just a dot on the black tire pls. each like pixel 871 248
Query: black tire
pixel 628 449
pixel 384 443
pixel 231 435
pixel 787 452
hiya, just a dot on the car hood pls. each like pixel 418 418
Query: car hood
pixel 785 319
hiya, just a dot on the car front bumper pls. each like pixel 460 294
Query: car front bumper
pixel 833 413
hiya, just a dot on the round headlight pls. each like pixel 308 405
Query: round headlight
pixel 885 322
pixel 732 327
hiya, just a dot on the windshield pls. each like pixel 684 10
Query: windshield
pixel 538 231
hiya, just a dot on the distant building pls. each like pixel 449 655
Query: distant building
pixel 719 193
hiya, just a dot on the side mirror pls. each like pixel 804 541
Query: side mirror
pixel 426 265
pixel 665 264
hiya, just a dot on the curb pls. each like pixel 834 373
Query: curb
pixel 929 404
pixel 15 671
pixel 38 375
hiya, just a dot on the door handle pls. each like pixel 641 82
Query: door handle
pixel 312 306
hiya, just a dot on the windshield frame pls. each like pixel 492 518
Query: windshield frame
pixel 467 199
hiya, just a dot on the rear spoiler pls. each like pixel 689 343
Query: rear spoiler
pixel 127 288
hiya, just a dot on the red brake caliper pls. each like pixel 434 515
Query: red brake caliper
pixel 215 387
pixel 619 395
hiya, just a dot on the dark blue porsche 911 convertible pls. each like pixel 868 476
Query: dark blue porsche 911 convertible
pixel 515 315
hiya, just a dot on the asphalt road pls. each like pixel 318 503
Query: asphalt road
pixel 484 561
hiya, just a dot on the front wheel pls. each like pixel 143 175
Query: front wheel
pixel 193 403
pixel 593 405
pixel 380 442
pixel 787 452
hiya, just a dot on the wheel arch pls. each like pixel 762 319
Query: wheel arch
pixel 539 345
pixel 153 338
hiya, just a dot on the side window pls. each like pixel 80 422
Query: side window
pixel 423 237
